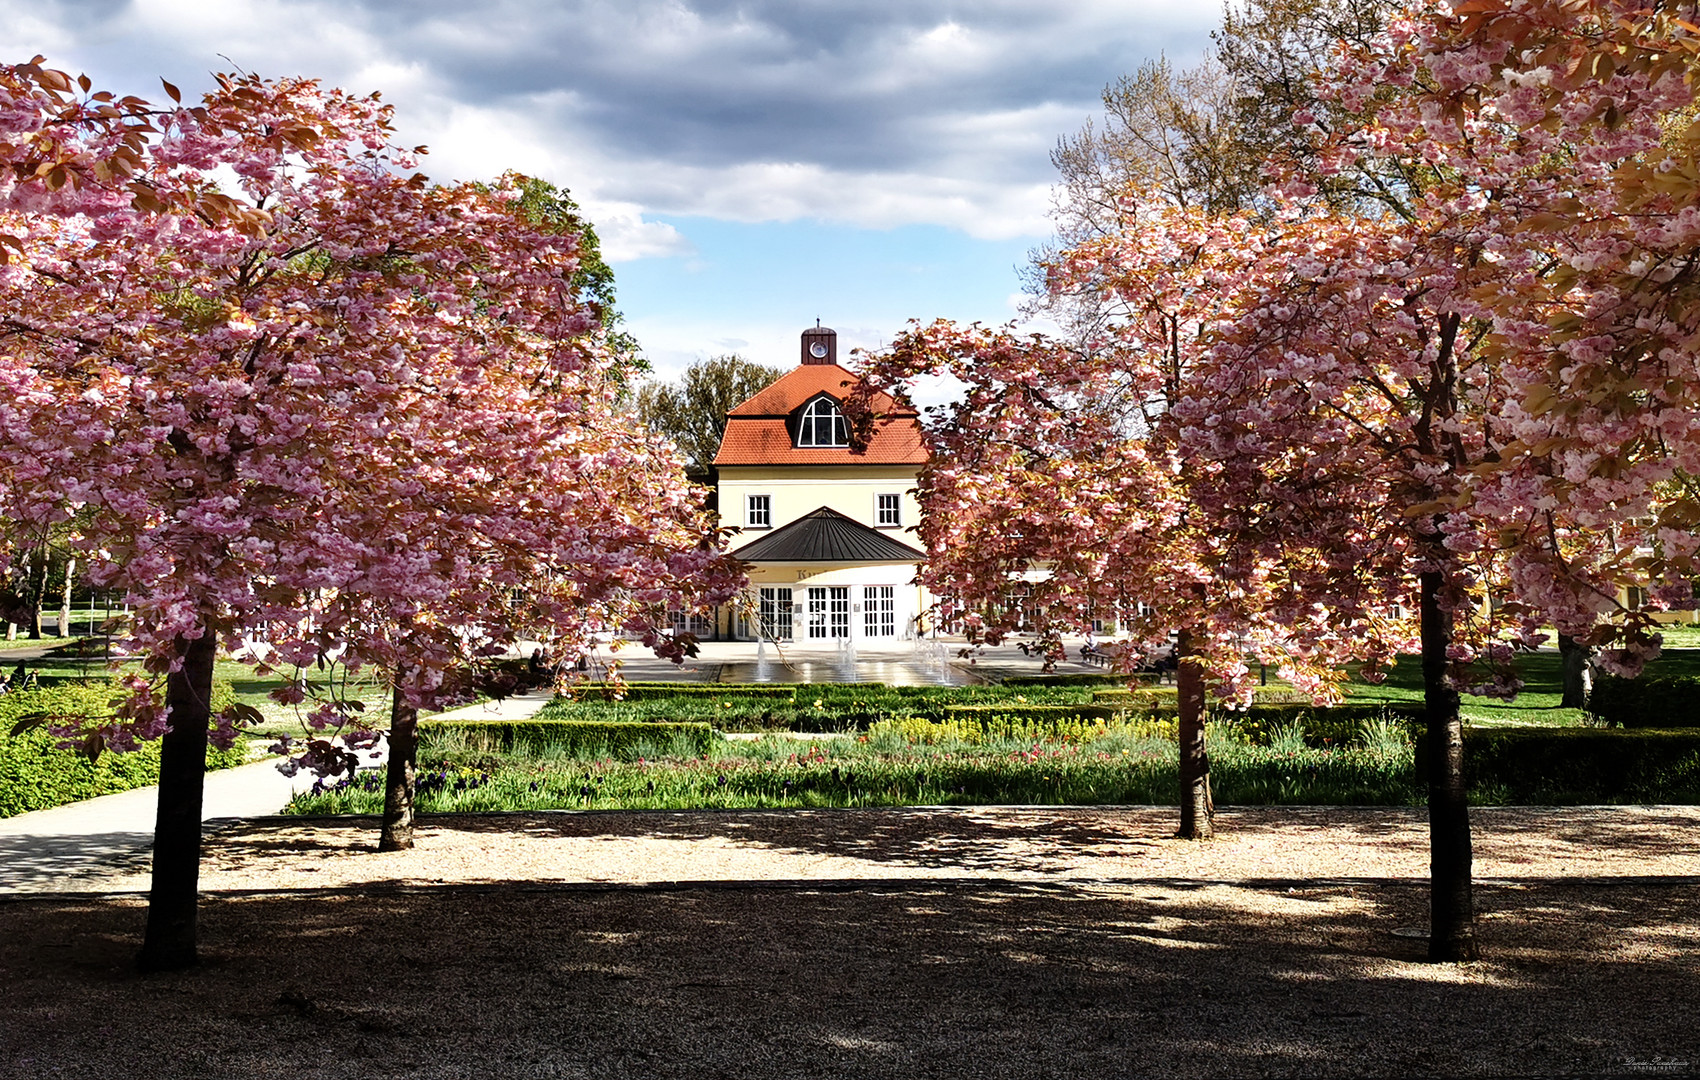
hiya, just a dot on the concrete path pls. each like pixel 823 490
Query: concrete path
pixel 717 660
pixel 43 849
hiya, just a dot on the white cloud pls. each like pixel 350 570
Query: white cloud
pixel 873 113
pixel 627 236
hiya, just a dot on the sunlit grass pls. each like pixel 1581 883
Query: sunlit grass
pixel 1122 767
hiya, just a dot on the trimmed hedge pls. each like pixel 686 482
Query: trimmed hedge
pixel 1578 765
pixel 1021 712
pixel 37 774
pixel 1167 695
pixel 615 738
pixel 664 691
pixel 1651 701
pixel 1069 680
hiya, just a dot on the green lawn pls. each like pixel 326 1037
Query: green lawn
pixel 1536 706
pixel 251 688
pixel 1127 764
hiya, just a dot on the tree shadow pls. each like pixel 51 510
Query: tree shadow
pixel 34 862
pixel 892 978
pixel 1036 841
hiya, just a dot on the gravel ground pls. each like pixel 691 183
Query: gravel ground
pixel 996 942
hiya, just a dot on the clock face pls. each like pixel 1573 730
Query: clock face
pixel 818 350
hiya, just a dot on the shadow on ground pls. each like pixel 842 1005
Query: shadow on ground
pixel 889 979
pixel 997 841
pixel 32 862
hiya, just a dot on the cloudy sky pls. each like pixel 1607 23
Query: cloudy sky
pixel 750 166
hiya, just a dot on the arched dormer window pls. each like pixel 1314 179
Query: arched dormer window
pixel 822 423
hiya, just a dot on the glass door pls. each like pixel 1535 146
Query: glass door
pixel 879 610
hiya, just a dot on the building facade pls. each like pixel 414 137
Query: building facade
pixel 827 527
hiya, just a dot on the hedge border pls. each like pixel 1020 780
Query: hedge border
pixel 1570 765
pixel 610 736
pixel 37 774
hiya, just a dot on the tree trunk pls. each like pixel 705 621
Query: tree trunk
pixel 65 605
pixel 169 943
pixel 399 788
pixel 1452 913
pixel 1578 677
pixel 1198 812
pixel 37 593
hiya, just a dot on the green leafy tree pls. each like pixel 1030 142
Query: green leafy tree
pixel 692 412
pixel 553 209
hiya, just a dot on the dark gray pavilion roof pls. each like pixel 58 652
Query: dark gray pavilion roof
pixel 825 535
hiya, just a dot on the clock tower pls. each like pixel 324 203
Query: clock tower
pixel 820 345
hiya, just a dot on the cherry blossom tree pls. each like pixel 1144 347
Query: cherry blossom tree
pixel 1038 501
pixel 331 379
pixel 1460 402
pixel 1448 351
pixel 1057 486
pixel 598 532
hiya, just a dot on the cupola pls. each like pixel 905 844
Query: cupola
pixel 820 345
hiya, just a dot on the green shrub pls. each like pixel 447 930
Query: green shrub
pixel 1578 765
pixel 569 737
pixel 1651 701
pixel 670 691
pixel 1020 711
pixel 1323 725
pixel 1071 680
pixel 1166 695
pixel 37 774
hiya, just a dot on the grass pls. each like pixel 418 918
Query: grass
pixel 1130 764
pixel 82 625
pixel 1536 706
pixel 901 746
pixel 251 689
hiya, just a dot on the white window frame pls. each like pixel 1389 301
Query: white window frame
pixel 880 508
pixel 829 612
pixel 750 515
pixel 879 611
pixel 823 410
pixel 773 613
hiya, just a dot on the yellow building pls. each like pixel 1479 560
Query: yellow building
pixel 827 527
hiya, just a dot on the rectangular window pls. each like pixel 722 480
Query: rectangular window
pixel 1637 598
pixel 775 613
pixel 1101 625
pixel 698 625
pixel 879 610
pixel 758 511
pixel 890 511
pixel 829 612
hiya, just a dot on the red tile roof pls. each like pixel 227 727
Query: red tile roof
pixel 800 384
pixel 760 441
pixel 756 433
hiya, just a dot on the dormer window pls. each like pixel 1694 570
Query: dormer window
pixel 822 423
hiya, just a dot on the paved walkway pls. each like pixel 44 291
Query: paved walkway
pixel 738 661
pixel 44 848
